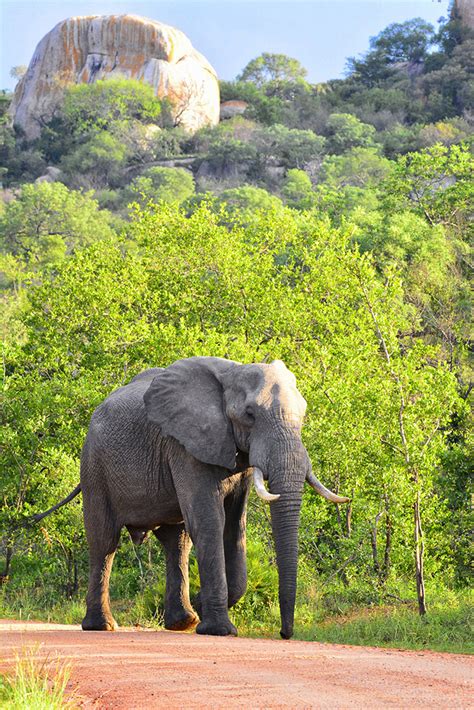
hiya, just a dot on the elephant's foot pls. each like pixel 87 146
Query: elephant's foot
pixel 217 628
pixel 197 604
pixel 99 622
pixel 181 621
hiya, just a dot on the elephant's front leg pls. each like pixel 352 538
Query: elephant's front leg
pixel 202 504
pixel 179 614
pixel 234 541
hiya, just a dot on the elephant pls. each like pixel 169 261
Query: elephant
pixel 175 452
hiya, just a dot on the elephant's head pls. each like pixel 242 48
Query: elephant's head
pixel 215 407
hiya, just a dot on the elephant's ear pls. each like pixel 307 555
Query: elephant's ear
pixel 186 401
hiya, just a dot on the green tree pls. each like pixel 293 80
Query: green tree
pixel 19 162
pixel 447 132
pixel 449 89
pixel 232 153
pixel 243 203
pixel 94 106
pixel 453 31
pixel 437 183
pixel 163 185
pixel 262 108
pixel 270 67
pixel 412 380
pixel 47 221
pixel 408 41
pixel 297 190
pixel 346 131
pixel 290 147
pixel 357 167
pixel 399 139
pixel 348 183
pixel 97 162
pixel 169 143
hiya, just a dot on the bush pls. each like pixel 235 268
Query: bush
pixel 162 185
pixel 297 190
pixel 98 162
pixel 47 221
pixel 345 131
pixel 95 106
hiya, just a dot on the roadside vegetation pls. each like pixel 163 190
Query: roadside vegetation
pixel 328 226
pixel 37 684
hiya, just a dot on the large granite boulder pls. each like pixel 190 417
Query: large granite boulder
pixel 233 108
pixel 465 10
pixel 84 49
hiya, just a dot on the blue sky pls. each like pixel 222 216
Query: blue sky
pixel 321 34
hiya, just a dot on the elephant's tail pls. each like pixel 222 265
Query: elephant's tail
pixel 39 516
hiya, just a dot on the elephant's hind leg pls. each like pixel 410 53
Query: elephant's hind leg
pixel 234 542
pixel 179 614
pixel 102 536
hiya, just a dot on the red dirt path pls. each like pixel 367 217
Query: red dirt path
pixel 147 670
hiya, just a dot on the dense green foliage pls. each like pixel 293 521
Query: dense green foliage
pixel 163 185
pixel 98 105
pixel 329 226
pixel 47 221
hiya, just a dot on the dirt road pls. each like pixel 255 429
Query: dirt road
pixel 148 670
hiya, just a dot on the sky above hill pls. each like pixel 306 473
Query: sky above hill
pixel 321 34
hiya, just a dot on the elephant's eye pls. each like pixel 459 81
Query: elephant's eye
pixel 250 413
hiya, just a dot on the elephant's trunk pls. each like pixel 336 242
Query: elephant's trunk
pixel 285 515
pixel 287 466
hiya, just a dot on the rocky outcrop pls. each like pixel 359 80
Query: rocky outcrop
pixel 232 108
pixel 84 49
pixel 51 175
pixel 465 10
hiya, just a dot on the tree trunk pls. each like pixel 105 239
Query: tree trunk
pixel 375 557
pixel 8 558
pixel 419 552
pixel 388 545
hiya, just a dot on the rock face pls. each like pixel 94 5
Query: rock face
pixel 84 49
pixel 51 175
pixel 230 109
pixel 465 9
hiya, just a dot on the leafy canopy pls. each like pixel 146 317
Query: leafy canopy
pixel 95 106
pixel 407 41
pixel 163 185
pixel 270 67
pixel 47 221
pixel 346 131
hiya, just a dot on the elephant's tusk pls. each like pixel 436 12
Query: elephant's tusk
pixel 323 491
pixel 260 486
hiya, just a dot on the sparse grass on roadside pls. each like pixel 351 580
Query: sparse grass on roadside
pixel 32 605
pixel 36 684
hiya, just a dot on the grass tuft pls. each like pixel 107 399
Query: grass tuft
pixel 37 684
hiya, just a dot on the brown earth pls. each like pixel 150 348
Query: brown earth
pixel 146 669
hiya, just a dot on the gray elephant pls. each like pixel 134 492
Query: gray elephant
pixel 174 451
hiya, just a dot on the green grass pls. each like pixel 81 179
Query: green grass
pixel 36 684
pixel 445 628
pixel 331 618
